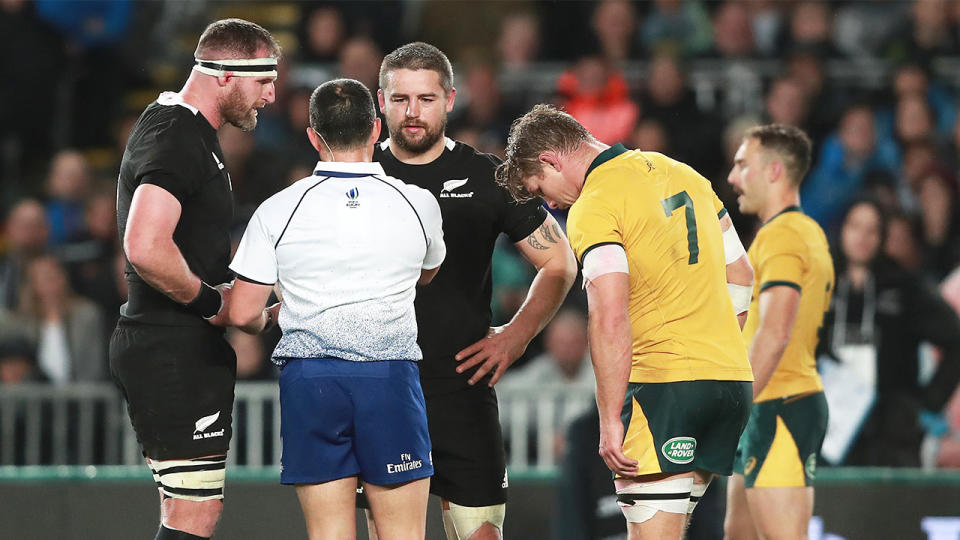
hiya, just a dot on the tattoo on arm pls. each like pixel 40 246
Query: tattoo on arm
pixel 534 243
pixel 549 232
pixel 545 231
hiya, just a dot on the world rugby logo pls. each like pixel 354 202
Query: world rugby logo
pixel 353 197
pixel 679 450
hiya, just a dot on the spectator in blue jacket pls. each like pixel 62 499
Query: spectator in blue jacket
pixel 845 158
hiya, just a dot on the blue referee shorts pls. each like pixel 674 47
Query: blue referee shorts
pixel 340 418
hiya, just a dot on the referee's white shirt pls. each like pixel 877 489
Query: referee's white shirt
pixel 346 245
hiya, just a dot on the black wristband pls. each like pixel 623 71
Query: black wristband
pixel 208 302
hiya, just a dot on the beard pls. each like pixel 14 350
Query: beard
pixel 236 111
pixel 424 143
pixel 747 206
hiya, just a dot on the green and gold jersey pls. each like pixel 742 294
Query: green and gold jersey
pixel 666 217
pixel 791 250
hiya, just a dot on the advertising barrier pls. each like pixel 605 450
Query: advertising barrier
pixel 117 502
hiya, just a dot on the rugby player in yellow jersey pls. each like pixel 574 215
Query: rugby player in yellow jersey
pixel 664 270
pixel 770 494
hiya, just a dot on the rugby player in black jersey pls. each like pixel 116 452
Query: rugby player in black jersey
pixel 168 354
pixel 463 357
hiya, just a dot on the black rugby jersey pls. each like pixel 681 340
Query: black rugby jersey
pixel 174 147
pixel 453 311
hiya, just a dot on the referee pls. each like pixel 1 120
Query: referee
pixel 463 356
pixel 174 210
pixel 347 247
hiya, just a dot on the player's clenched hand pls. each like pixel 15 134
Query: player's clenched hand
pixel 496 352
pixel 611 449
pixel 223 316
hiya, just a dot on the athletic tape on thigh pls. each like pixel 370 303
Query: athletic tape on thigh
pixel 639 502
pixel 199 479
pixel 460 522
pixel 696 493
pixel 243 67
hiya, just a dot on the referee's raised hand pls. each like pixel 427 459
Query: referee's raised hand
pixel 496 353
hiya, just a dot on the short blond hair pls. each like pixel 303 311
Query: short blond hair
pixel 543 128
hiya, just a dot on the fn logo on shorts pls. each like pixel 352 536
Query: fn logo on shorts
pixel 205 422
pixel 407 463
pixel 679 450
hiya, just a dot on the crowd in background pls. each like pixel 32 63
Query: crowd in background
pixel 873 83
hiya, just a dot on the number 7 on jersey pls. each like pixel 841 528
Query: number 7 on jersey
pixel 674 202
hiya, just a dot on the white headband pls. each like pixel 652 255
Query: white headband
pixel 244 67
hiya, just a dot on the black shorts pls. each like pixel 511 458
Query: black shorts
pixel 178 383
pixel 469 461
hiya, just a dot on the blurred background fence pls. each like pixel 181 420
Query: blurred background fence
pixel 87 424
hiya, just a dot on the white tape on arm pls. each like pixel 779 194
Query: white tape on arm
pixel 605 259
pixel 732 247
pixel 740 295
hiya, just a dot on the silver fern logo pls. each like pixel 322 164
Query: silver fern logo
pixel 447 191
pixel 205 422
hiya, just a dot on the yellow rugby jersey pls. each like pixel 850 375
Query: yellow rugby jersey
pixel 791 250
pixel 666 217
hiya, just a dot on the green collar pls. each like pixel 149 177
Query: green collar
pixel 605 156
pixel 793 208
